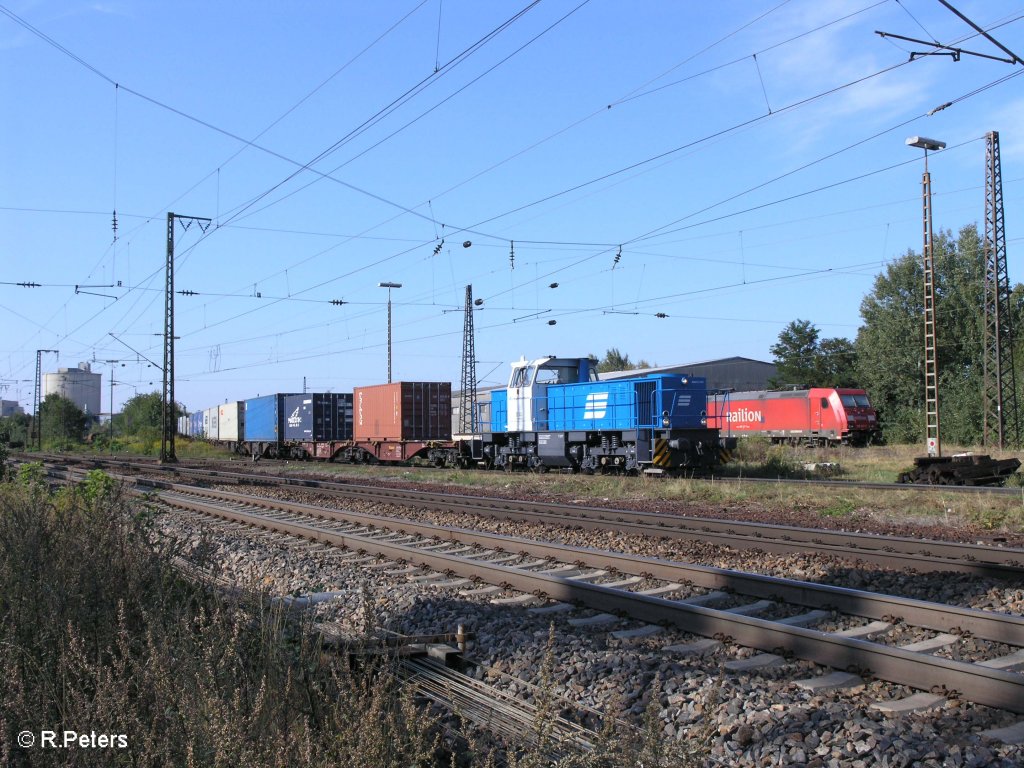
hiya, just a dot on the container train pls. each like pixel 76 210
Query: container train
pixel 554 414
pixel 817 416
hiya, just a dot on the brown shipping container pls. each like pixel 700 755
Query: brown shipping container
pixel 403 410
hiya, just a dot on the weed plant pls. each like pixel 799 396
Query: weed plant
pixel 99 634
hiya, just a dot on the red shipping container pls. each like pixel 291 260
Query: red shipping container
pixel 403 410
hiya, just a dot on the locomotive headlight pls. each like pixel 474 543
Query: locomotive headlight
pixel 703 421
pixel 664 419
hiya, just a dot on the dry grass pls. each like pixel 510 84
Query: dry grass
pixel 98 633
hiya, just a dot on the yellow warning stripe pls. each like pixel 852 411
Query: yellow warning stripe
pixel 662 453
pixel 724 455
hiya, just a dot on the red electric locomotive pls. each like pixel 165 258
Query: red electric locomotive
pixel 817 416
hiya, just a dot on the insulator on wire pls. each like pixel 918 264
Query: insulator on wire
pixel 438 247
pixel 660 314
pixel 617 257
pixel 113 224
pixel 512 254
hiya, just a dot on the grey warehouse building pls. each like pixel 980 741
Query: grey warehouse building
pixel 737 374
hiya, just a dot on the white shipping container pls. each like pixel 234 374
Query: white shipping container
pixel 211 418
pixel 229 422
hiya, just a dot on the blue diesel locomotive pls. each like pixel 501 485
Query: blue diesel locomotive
pixel 555 413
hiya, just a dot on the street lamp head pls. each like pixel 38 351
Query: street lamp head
pixel 922 143
pixel 389 285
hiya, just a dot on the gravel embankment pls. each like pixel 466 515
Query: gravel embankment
pixel 757 718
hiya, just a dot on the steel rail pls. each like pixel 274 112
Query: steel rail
pixel 890 551
pixel 492 708
pixel 983 685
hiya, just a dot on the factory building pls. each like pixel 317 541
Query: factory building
pixel 10 408
pixel 79 385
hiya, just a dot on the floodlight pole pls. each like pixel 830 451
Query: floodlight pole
pixel 931 367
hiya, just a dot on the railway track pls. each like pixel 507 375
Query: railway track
pixel 565 578
pixel 922 555
pixel 831 484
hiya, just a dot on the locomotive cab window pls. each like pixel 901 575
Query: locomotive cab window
pixel 518 378
pixel 855 401
pixel 555 375
pixel 824 402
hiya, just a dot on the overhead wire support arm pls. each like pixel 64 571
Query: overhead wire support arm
pixel 133 349
pixel 948 50
pixel 534 314
pixel 79 291
pixel 1015 59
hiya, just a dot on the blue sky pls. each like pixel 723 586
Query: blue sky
pixel 732 165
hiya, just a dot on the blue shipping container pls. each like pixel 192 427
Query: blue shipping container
pixel 197 425
pixel 264 419
pixel 662 401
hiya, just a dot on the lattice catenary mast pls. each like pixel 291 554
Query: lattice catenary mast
pixel 167 420
pixel 467 404
pixel 37 427
pixel 1002 426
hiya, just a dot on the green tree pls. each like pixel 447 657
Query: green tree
pixel 614 360
pixel 62 421
pixel 795 355
pixel 837 363
pixel 14 430
pixel 140 413
pixel 804 360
